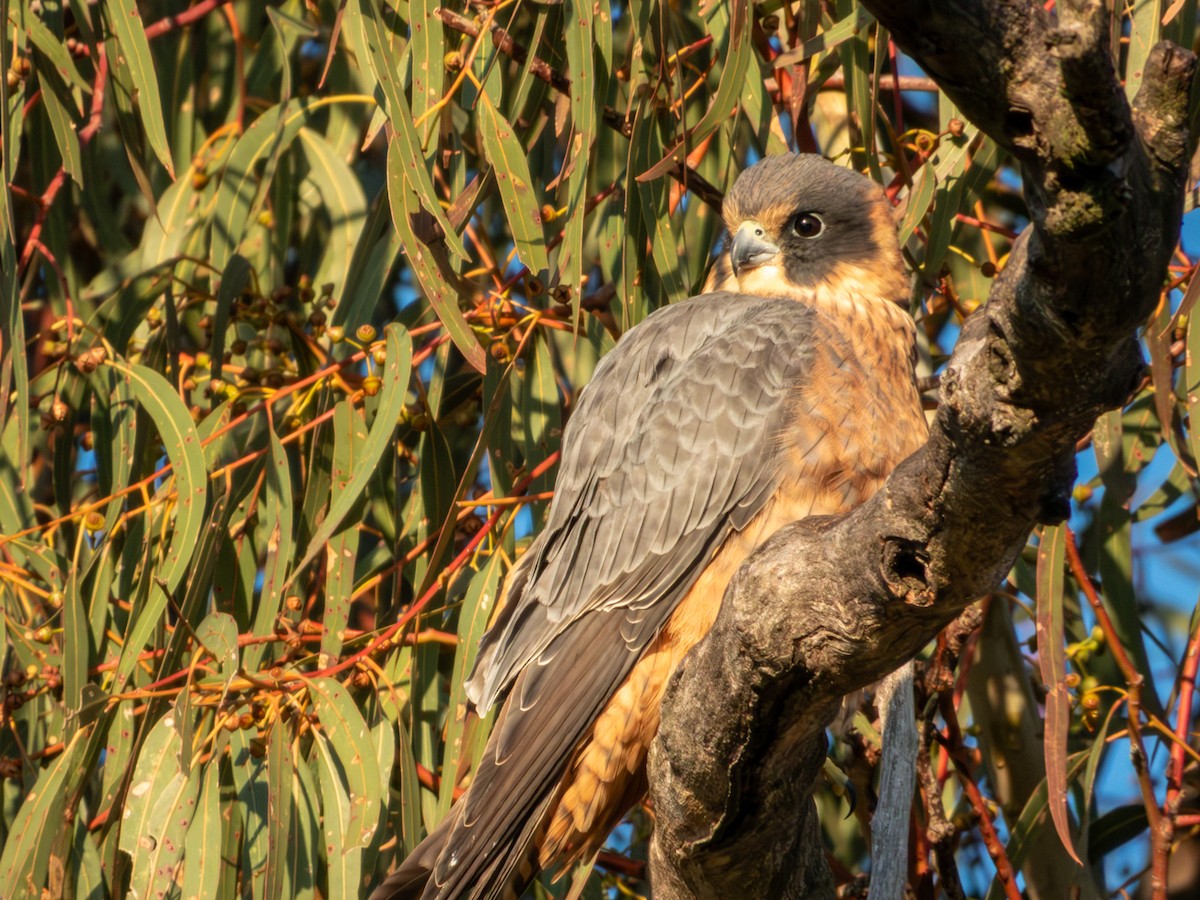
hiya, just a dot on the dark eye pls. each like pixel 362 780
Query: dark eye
pixel 807 225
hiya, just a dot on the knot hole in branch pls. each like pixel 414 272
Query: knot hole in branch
pixel 906 571
pixel 1018 126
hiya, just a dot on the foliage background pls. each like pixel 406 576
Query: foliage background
pixel 295 301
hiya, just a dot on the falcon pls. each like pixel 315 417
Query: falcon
pixel 788 391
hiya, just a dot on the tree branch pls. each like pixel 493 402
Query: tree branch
pixel 830 605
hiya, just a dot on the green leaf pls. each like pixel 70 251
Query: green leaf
pixel 920 198
pixel 477 608
pixel 14 367
pixel 365 27
pixel 202 845
pixel 434 275
pixel 182 445
pixel 538 409
pixel 348 757
pixel 243 189
pixel 829 39
pixel 396 372
pixel 1190 387
pixel 961 177
pixel 1052 661
pixel 1177 483
pixel 218 635
pixel 300 866
pixel 54 49
pixel 280 545
pixel 63 114
pixel 158 809
pixel 167 234
pixel 343 861
pixel 1145 30
pixel 233 281
pixel 655 215
pixel 350 432
pixel 1027 830
pixel 521 205
pixel 586 86
pixel 344 202
pixel 350 781
pixel 733 20
pixel 280 811
pixel 251 778
pixel 37 824
pixel 125 21
pixel 428 70
pixel 1116 828
pixel 1115 524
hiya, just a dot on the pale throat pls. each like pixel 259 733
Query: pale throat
pixel 863 300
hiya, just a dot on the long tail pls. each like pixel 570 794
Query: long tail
pixel 505 874
pixel 409 880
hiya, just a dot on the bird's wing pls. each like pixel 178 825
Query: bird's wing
pixel 674 444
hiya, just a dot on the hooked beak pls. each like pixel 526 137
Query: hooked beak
pixel 751 247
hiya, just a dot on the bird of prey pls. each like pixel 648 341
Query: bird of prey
pixel 713 423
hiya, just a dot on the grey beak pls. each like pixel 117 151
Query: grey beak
pixel 751 247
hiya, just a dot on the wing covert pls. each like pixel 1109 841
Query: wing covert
pixel 673 445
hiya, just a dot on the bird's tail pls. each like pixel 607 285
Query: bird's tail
pixel 409 880
pixel 506 874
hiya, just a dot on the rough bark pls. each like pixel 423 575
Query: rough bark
pixel 830 605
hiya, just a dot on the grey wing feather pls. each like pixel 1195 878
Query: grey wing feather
pixel 671 447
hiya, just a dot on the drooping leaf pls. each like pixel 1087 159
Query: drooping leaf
pixel 124 19
pixel 1052 663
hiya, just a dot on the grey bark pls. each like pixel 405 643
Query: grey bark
pixel 830 605
pixel 897 778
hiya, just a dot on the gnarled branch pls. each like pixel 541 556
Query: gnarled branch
pixel 830 605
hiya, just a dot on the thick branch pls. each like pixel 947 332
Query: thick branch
pixel 831 605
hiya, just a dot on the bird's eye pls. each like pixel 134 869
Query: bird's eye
pixel 807 225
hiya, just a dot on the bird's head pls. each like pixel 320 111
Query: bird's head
pixel 798 222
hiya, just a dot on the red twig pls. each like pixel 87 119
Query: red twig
pixel 1183 718
pixel 44 204
pixel 187 17
pixel 1004 869
pixel 1160 843
pixel 34 240
pixel 416 608
pixel 956 752
pixel 98 87
pixel 1187 692
pixel 985 225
